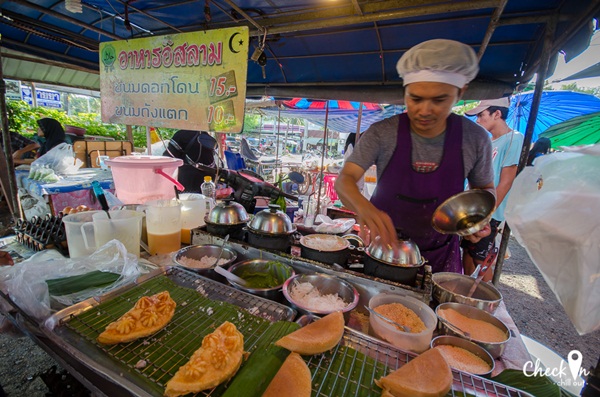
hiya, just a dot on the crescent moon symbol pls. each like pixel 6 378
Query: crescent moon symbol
pixel 231 42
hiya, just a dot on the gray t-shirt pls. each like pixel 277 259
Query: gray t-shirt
pixel 377 144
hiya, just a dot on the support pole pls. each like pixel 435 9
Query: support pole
pixel 321 173
pixel 7 176
pixel 535 106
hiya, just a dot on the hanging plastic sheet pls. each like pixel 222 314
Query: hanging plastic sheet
pixel 553 212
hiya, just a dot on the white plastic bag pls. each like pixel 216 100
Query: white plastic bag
pixel 25 282
pixel 553 211
pixel 60 159
pixel 333 226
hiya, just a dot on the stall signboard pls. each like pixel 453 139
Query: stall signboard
pixel 46 98
pixel 193 80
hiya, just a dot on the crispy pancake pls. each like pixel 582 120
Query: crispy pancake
pixel 216 361
pixel 149 315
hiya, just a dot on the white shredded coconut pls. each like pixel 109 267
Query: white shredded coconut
pixel 325 243
pixel 309 297
pixel 141 364
pixel 203 263
pixel 202 291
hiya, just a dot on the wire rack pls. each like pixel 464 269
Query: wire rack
pixel 350 369
pixel 201 307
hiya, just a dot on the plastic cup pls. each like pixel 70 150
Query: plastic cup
pixel 75 241
pixel 163 226
pixel 123 225
pixel 193 209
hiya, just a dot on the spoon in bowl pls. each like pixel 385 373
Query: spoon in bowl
pixel 226 273
pixel 384 318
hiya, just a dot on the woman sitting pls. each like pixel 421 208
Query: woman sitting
pixel 52 132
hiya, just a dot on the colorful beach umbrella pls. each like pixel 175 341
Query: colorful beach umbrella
pixel 304 103
pixel 582 130
pixel 555 107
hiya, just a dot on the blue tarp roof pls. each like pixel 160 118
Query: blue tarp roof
pixel 340 49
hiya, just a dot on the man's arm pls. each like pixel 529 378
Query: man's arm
pixel 507 177
pixel 377 222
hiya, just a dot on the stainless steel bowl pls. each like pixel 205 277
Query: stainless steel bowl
pixel 405 253
pixel 447 328
pixel 464 213
pixel 446 285
pixel 280 272
pixel 326 284
pixel 227 212
pixel 197 252
pixel 272 221
pixel 468 346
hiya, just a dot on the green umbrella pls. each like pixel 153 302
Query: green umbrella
pixel 581 130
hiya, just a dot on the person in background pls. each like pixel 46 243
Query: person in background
pixel 540 147
pixel 506 150
pixel 193 147
pixel 22 148
pixel 52 132
pixel 422 156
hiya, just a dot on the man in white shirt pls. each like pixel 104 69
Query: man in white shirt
pixel 506 150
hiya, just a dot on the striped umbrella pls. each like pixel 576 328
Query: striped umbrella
pixel 304 103
pixel 582 130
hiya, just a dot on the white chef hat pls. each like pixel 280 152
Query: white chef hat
pixel 440 61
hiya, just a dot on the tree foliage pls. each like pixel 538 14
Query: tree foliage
pixel 23 119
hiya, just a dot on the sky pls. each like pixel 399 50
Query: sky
pixel 589 57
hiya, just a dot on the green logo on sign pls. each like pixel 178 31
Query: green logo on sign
pixel 108 57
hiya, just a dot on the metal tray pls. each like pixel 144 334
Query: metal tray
pixel 347 370
pixel 351 368
pixel 203 304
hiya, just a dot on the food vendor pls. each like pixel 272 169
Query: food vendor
pixel 422 156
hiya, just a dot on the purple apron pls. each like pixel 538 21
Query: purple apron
pixel 410 197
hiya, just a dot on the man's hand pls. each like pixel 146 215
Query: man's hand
pixel 6 259
pixel 373 223
pixel 475 237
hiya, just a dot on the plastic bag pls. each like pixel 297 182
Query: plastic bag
pixel 333 226
pixel 25 282
pixel 553 212
pixel 59 159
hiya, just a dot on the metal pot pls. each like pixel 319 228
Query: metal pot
pixel 272 221
pixel 280 271
pixel 227 217
pixel 340 255
pixel 272 229
pixel 277 242
pixel 401 264
pixel 485 297
pixel 447 328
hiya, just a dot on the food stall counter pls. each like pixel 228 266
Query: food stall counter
pixel 71 191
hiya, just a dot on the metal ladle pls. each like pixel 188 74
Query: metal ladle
pixel 384 318
pixel 226 273
pixel 454 327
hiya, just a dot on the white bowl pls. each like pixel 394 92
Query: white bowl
pixel 414 342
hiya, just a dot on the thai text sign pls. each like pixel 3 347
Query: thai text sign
pixel 191 80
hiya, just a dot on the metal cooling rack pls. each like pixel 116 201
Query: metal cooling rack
pixel 351 368
pixel 147 364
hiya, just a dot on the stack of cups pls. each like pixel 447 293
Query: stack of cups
pixel 163 226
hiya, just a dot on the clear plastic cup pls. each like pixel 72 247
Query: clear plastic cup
pixel 163 226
